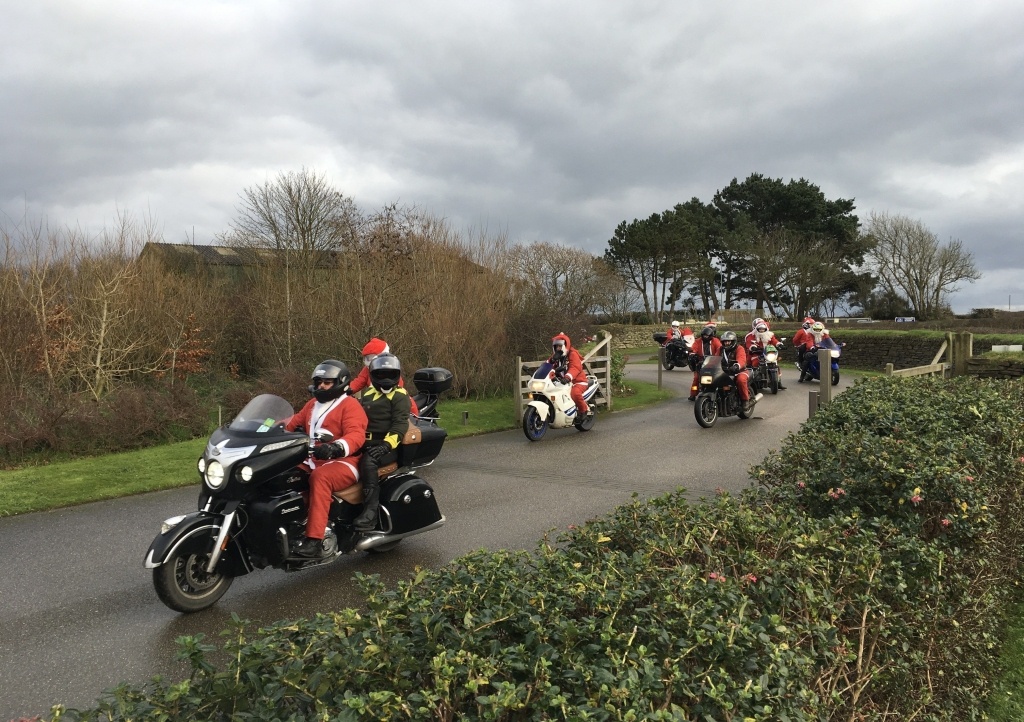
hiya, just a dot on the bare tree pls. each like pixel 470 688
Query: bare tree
pixel 299 222
pixel 910 261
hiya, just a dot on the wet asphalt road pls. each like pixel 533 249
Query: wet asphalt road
pixel 78 613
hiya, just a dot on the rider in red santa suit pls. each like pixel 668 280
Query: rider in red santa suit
pixel 734 359
pixel 568 365
pixel 374 348
pixel 761 336
pixel 802 340
pixel 707 344
pixel 334 464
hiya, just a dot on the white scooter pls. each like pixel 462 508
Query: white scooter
pixel 551 404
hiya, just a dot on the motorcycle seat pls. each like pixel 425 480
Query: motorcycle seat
pixel 351 494
pixel 354 494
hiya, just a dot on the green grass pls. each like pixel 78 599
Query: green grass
pixel 1006 701
pixel 66 483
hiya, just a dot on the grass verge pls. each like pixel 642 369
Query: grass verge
pixel 1006 701
pixel 66 483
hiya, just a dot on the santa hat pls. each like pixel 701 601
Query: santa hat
pixel 712 324
pixel 687 331
pixel 376 346
pixel 808 319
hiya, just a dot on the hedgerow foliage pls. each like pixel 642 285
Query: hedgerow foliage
pixel 863 579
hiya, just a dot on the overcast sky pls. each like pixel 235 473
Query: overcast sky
pixel 547 121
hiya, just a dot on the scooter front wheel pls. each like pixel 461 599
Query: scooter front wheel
pixel 533 425
pixel 706 410
pixel 835 377
pixel 183 584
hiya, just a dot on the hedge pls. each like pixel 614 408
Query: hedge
pixel 865 577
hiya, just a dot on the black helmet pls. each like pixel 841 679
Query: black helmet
pixel 729 340
pixel 330 370
pixel 385 370
pixel 708 332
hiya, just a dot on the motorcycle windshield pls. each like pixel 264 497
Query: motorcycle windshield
pixel 711 363
pixel 543 371
pixel 262 414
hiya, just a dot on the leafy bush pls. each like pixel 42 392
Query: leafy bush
pixel 863 579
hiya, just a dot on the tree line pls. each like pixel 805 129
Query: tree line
pixel 787 250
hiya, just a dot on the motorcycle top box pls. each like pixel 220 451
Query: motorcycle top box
pixel 432 380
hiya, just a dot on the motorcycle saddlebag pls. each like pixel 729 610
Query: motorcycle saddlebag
pixel 407 504
pixel 432 380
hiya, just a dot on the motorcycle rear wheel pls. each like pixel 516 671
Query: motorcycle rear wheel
pixel 706 410
pixel 533 425
pixel 667 365
pixel 586 422
pixel 183 584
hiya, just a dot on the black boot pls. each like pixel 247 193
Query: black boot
pixel 367 519
pixel 309 547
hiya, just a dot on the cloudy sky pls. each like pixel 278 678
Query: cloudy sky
pixel 547 121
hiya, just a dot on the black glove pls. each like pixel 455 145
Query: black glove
pixel 378 451
pixel 735 368
pixel 328 451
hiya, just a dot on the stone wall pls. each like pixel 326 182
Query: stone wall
pixel 862 351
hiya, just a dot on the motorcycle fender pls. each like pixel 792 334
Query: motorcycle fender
pixel 542 408
pixel 193 528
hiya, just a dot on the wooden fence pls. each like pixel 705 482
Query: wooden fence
pixel 597 362
pixel 957 348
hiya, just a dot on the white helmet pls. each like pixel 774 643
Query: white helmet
pixel 675 324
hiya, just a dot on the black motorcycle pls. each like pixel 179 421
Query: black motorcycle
pixel 676 351
pixel 252 511
pixel 718 393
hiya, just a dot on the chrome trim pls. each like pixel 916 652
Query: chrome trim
pixel 173 549
pixel 221 536
pixel 282 537
pixel 376 539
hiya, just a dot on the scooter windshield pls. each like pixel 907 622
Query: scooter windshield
pixel 262 414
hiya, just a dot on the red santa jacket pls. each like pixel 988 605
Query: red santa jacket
pixel 573 361
pixel 344 417
pixel 803 339
pixel 703 347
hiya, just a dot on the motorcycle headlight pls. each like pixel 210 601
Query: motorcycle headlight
pixel 705 380
pixel 202 465
pixel 771 356
pixel 169 524
pixel 245 473
pixel 214 475
pixel 537 385
pixel 835 353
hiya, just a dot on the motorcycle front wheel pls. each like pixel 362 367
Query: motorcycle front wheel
pixel 183 584
pixel 706 410
pixel 533 425
pixel 835 377
pixel 773 380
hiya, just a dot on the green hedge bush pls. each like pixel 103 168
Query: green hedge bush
pixel 864 578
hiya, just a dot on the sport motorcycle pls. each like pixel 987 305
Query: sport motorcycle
pixel 551 405
pixel 813 370
pixel 252 510
pixel 718 393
